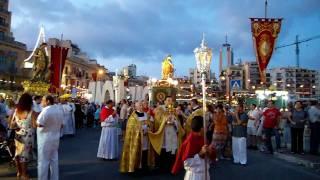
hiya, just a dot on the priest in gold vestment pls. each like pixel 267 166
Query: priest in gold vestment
pixel 136 152
pixel 168 136
pixel 196 111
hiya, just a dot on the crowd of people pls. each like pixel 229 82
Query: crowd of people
pixel 35 125
pixel 166 137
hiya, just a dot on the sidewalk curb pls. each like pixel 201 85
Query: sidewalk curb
pixel 297 160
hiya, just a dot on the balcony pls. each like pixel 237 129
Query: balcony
pixel 11 40
pixel 4 11
pixel 4 25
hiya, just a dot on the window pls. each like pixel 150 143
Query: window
pixel 2 21
pixel 1 35
pixel 2 59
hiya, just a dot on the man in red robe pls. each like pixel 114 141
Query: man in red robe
pixel 107 111
pixel 109 139
pixel 192 152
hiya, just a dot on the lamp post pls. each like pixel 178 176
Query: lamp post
pixel 150 83
pixel 203 56
pixel 100 72
pixel 116 87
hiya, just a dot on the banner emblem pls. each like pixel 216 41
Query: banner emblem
pixel 264 34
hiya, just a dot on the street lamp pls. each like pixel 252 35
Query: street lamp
pixel 203 56
pixel 97 74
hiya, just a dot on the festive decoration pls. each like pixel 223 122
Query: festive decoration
pixel 159 93
pixel 65 96
pixel 264 32
pixel 37 88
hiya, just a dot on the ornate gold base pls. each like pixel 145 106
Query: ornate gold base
pixel 36 88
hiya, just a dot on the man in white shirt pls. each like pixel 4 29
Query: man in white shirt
pixel 314 118
pixel 123 116
pixel 49 124
pixel 252 126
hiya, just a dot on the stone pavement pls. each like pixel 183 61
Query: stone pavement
pixel 77 159
pixel 306 160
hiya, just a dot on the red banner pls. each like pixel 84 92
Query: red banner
pixel 264 33
pixel 58 59
pixel 94 76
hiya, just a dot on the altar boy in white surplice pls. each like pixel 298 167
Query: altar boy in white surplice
pixel 192 153
pixel 109 139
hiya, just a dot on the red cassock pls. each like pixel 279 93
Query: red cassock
pixel 105 113
pixel 189 148
pixel 149 110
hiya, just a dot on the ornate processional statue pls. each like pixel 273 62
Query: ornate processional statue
pixel 41 72
pixel 41 67
pixel 167 68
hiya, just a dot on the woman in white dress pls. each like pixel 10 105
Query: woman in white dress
pixel 23 122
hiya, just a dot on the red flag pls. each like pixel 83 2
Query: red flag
pixel 58 58
pixel 264 33
pixel 94 76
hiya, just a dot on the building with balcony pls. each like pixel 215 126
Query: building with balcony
pixel 12 52
pixel 195 77
pixel 130 71
pixel 252 80
pixel 299 82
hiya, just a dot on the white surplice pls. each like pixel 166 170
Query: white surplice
pixel 145 129
pixel 170 140
pixel 109 140
pixel 68 120
pixel 195 168
pixel 48 136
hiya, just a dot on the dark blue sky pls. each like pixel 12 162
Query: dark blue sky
pixel 120 32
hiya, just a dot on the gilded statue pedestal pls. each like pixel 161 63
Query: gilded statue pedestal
pixel 36 88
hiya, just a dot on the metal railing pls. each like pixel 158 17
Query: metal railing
pixel 11 40
pixel 4 11
pixel 3 24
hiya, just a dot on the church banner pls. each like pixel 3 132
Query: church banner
pixel 264 33
pixel 58 58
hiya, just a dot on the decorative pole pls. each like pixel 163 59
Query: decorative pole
pixel 149 91
pixel 203 56
pixel 116 87
pixel 60 68
pixel 265 8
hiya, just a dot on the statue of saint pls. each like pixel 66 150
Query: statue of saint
pixel 167 68
pixel 41 65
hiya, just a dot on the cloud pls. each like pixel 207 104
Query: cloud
pixel 145 31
